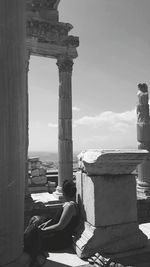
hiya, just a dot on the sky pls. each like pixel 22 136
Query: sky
pixel 113 57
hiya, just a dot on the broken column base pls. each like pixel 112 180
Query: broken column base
pixel 109 239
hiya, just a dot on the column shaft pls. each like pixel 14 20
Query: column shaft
pixel 143 136
pixel 27 194
pixel 12 128
pixel 65 147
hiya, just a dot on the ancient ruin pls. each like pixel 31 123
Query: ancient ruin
pixel 143 137
pixel 47 37
pixel 34 29
pixel 13 129
pixel 105 180
pixel 106 193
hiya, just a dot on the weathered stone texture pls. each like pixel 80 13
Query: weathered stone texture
pixel 143 137
pixel 108 202
pixel 13 128
pixel 101 162
pixel 114 199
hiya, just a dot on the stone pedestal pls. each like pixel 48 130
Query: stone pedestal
pixel 65 150
pixel 143 137
pixel 106 193
pixel 12 129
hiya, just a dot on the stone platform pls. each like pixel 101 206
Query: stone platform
pixel 135 258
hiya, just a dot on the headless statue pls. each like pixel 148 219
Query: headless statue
pixel 142 105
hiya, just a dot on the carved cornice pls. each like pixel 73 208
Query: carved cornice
pixel 65 64
pixel 71 41
pixel 35 5
pixel 45 31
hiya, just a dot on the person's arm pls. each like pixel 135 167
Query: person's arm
pixel 68 212
pixel 43 225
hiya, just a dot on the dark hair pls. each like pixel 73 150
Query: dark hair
pixel 69 188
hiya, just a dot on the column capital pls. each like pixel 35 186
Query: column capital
pixel 65 64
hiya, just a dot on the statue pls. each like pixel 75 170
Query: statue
pixel 142 105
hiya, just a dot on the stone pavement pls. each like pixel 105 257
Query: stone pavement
pixel 65 258
pixel 68 258
pixel 136 258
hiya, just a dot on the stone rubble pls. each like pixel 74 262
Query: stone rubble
pixel 38 173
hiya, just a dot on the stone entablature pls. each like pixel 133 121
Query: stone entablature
pixel 44 30
pixel 53 33
pixel 46 4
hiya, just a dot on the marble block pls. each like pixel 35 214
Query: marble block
pixel 106 194
pixel 100 161
pixel 107 200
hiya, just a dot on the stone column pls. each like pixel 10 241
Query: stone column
pixel 27 193
pixel 106 193
pixel 12 129
pixel 143 137
pixel 65 148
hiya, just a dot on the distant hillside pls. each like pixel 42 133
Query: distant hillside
pixel 44 156
pixel 48 156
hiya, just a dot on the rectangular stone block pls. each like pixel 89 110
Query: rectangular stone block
pixel 107 200
pixel 106 194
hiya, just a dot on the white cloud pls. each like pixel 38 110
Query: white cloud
pixel 109 120
pixel 106 130
pixel 75 108
pixel 52 125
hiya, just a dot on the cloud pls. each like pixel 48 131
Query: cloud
pixel 52 125
pixel 109 120
pixel 106 130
